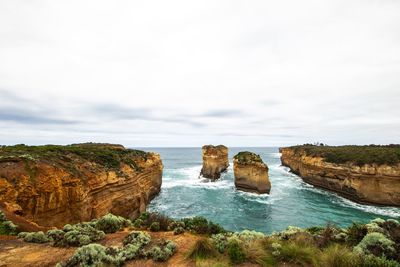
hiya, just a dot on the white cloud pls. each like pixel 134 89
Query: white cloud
pixel 183 73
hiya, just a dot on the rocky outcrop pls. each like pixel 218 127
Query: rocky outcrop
pixel 55 185
pixel 215 161
pixel 369 183
pixel 251 173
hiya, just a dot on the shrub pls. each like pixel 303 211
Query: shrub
pixel 220 242
pixel 130 252
pixel 338 256
pixel 7 227
pixel 162 220
pixel 294 253
pixel 179 230
pixel 235 251
pixel 155 226
pixel 138 223
pixel 355 233
pixel 137 238
pixel 372 261
pixel 289 232
pixel 201 225
pixel 376 244
pixel 327 236
pixel 77 235
pixel 110 223
pixel 315 230
pixel 34 237
pixel 202 249
pixel 163 252
pixel 95 255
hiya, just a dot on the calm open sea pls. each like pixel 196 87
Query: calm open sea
pixel 291 201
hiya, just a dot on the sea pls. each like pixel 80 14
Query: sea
pixel 291 201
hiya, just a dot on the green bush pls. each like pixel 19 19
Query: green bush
pixel 130 252
pixel 179 230
pixel 7 227
pixel 110 223
pixel 235 251
pixel 34 237
pixel 138 223
pixel 220 242
pixel 355 233
pixel 376 244
pixel 137 238
pixel 201 225
pixel 154 227
pixel 202 249
pixel 297 254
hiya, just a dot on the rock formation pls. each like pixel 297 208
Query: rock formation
pixel 54 185
pixel 251 173
pixel 368 183
pixel 215 161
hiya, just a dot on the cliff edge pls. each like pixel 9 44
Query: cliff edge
pixel 365 174
pixel 53 185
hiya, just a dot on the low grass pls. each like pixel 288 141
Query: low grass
pixel 359 155
pixel 202 249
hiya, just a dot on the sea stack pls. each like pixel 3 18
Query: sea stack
pixel 251 173
pixel 215 161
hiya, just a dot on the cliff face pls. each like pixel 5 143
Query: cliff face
pixel 251 173
pixel 215 161
pixel 55 185
pixel 369 183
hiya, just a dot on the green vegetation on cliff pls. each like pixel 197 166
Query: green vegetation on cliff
pixel 246 157
pixel 108 156
pixel 360 155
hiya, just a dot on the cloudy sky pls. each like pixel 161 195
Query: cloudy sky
pixel 187 73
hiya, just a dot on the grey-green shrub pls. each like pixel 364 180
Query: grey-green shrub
pixel 137 238
pixel 162 252
pixel 110 223
pixel 138 223
pixel 376 244
pixel 373 261
pixel 179 230
pixel 34 237
pixel 235 251
pixel 95 255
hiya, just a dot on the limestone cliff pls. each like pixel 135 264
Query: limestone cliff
pixel 215 161
pixel 367 183
pixel 54 185
pixel 251 173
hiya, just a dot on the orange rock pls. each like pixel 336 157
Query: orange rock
pixel 215 161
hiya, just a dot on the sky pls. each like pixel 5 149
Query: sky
pixel 189 73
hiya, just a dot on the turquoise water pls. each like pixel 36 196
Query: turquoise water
pixel 291 201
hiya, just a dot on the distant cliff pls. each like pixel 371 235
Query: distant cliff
pixel 54 185
pixel 365 174
pixel 215 161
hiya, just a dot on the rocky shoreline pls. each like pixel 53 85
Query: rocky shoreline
pixel 372 183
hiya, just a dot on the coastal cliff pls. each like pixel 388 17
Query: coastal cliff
pixel 362 174
pixel 54 185
pixel 251 173
pixel 215 161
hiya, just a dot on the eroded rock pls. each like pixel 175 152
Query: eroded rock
pixel 251 173
pixel 215 161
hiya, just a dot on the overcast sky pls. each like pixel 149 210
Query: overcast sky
pixel 188 73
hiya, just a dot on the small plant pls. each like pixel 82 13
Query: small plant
pixel 373 261
pixel 138 223
pixel 297 254
pixel 179 230
pixel 163 252
pixel 201 225
pixel 34 237
pixel 155 227
pixel 202 249
pixel 235 251
pixel 355 233
pixel 220 241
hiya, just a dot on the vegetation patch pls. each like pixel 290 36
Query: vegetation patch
pixel 359 155
pixel 246 157
pixel 7 227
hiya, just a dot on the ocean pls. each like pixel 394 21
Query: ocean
pixel 291 201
